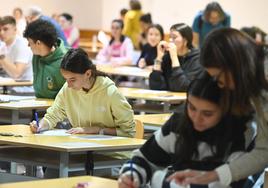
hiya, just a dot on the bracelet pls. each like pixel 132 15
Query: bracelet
pixel 101 131
pixel 157 62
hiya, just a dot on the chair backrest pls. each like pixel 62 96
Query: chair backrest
pixel 139 129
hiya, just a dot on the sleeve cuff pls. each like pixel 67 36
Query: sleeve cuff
pixel 225 175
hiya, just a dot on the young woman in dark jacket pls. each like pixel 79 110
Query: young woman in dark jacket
pixel 177 62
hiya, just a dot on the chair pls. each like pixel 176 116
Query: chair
pixel 139 129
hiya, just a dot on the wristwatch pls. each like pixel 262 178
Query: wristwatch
pixel 101 131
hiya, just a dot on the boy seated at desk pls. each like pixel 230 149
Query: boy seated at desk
pixel 15 55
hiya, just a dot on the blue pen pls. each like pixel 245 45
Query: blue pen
pixel 36 119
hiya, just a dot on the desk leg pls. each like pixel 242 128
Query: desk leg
pixel 14 117
pixel 166 107
pixel 64 164
pixel 89 166
pixel 4 89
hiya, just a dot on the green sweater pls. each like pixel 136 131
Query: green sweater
pixel 46 72
pixel 102 106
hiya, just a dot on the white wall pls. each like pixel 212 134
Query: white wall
pixel 96 14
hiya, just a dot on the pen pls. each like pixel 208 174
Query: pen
pixel 36 119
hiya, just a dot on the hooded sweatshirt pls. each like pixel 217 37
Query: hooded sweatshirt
pixel 46 71
pixel 177 78
pixel 101 106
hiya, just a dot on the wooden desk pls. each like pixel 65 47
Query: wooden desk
pixel 9 82
pixel 23 105
pixel 89 44
pixel 124 70
pixel 153 121
pixel 63 145
pixel 94 182
pixel 166 97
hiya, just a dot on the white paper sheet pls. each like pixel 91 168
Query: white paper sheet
pixel 56 132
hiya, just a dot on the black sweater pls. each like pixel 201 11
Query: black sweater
pixel 178 78
pixel 149 53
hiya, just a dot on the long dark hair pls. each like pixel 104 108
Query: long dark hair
pixel 122 37
pixel 219 138
pixel 159 28
pixel 234 52
pixel 77 61
pixel 185 31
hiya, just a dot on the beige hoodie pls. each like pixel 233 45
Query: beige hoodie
pixel 102 106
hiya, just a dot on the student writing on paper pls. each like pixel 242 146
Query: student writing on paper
pixel 177 61
pixel 236 62
pixel 202 137
pixel 48 52
pixel 89 100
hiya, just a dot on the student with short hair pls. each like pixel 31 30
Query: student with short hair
pixel 34 13
pixel 177 61
pixel 145 22
pixel 89 100
pixel 48 52
pixel 17 59
pixel 202 136
pixel 213 17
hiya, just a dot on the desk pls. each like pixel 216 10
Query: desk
pixel 94 182
pixel 166 97
pixel 28 104
pixel 64 146
pixel 153 121
pixel 89 44
pixel 124 70
pixel 9 82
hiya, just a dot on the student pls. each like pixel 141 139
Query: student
pixel 213 17
pixel 177 62
pixel 145 22
pixel 149 52
pixel 34 13
pixel 120 48
pixel 48 52
pixel 123 12
pixel 236 62
pixel 20 20
pixel 70 31
pixel 202 136
pixel 89 100
pixel 132 27
pixel 17 61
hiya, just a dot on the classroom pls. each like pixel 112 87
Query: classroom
pixel 133 94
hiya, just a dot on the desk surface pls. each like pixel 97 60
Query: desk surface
pixel 27 104
pixel 12 82
pixel 153 119
pixel 153 95
pixel 89 44
pixel 94 182
pixel 71 143
pixel 124 70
